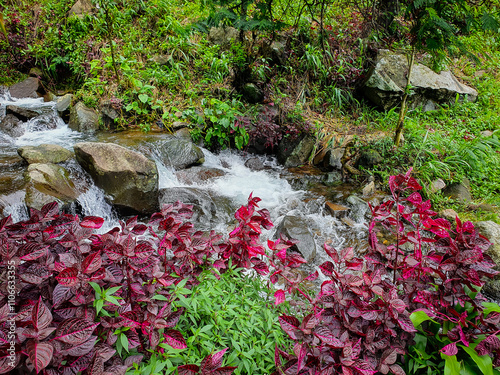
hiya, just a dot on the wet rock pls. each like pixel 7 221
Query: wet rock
pixel 368 159
pixel 459 191
pixel 387 80
pixel 449 214
pixel 48 183
pixel 332 178
pixel 127 177
pixel 295 227
pixel 198 175
pixel 21 113
pixel 63 104
pixel 223 36
pixel 183 133
pixel 12 168
pixel 296 152
pixel 180 153
pixel 207 209
pixel 83 119
pixel 436 185
pixel 335 157
pixel 81 8
pixel 25 89
pixel 369 189
pixel 45 153
pixel 359 208
pixel 251 93
pixel 12 126
pixel 337 210
pixel 109 113
pixel 255 164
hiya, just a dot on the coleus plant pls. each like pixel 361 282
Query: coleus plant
pixel 363 319
pixel 211 365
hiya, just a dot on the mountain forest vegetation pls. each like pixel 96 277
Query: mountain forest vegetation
pixel 114 303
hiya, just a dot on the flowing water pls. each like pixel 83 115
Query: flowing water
pixel 223 195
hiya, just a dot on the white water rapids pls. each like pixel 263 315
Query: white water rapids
pixel 232 188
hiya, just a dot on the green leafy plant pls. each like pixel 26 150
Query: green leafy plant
pixel 221 124
pixel 104 296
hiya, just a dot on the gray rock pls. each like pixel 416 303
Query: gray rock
pixel 369 159
pixel 161 59
pixel 335 157
pixel 297 152
pixel 295 227
pixel 183 133
pixel 252 94
pixel 25 89
pixel 63 103
pixel 12 126
pixel 276 52
pixel 459 191
pixel 387 80
pixel 449 214
pixel 333 178
pixel 207 209
pixel 45 153
pixel 255 164
pixel 359 208
pixel 83 119
pixel 48 183
pixel 180 153
pixel 21 113
pixel 80 8
pixel 198 175
pixel 109 113
pixel 128 177
pixel 223 36
pixel 369 189
pixel 486 133
pixel 436 186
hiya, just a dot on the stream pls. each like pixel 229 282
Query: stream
pixel 215 199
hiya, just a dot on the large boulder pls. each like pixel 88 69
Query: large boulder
pixel 180 153
pixel 45 153
pixel 295 227
pixel 83 119
pixel 459 191
pixel 387 80
pixel 47 183
pixel 25 89
pixel 127 177
pixel 63 104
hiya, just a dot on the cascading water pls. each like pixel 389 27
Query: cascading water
pixel 217 198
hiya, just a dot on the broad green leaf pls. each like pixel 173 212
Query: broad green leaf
pixel 124 341
pixel 96 287
pixel 112 290
pixel 451 367
pixel 490 307
pixel 160 297
pixel 483 362
pixel 143 98
pixel 418 317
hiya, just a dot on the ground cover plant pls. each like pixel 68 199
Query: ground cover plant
pixel 157 293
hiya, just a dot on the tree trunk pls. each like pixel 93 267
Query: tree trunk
pixel 402 111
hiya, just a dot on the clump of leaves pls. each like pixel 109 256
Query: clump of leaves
pixel 363 319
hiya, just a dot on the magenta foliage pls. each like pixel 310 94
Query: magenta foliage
pixel 211 365
pixel 359 322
